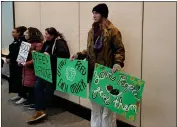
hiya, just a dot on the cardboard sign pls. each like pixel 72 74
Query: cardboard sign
pixel 72 77
pixel 23 53
pixel 42 66
pixel 119 92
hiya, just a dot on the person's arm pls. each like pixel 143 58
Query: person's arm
pixel 45 48
pixel 8 56
pixel 33 47
pixel 2 62
pixel 118 47
pixel 82 55
pixel 10 53
pixel 29 63
pixel 62 49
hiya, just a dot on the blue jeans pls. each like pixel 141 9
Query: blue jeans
pixel 43 91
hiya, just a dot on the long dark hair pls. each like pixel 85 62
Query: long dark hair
pixel 21 30
pixel 54 32
pixel 35 35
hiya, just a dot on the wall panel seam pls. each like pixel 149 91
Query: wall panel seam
pixel 79 35
pixel 13 7
pixel 40 12
pixel 142 58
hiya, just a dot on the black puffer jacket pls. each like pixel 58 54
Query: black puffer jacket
pixel 60 50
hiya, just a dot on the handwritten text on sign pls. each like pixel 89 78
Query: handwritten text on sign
pixel 72 77
pixel 119 92
pixel 42 66
pixel 23 53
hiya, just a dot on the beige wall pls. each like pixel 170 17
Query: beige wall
pixel 74 19
pixel 159 65
pixel 28 14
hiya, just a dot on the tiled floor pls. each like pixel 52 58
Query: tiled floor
pixel 16 116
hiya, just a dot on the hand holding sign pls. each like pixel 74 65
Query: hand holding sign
pixel 46 53
pixel 116 67
pixel 23 64
pixel 73 57
pixel 23 53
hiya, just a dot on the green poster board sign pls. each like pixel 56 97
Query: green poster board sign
pixel 72 77
pixel 119 92
pixel 42 66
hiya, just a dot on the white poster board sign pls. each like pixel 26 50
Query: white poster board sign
pixel 23 53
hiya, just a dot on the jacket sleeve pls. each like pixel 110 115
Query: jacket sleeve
pixel 44 48
pixel 28 63
pixel 82 55
pixel 62 49
pixel 118 47
pixel 8 56
pixel 2 62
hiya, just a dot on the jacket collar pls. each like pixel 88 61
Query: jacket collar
pixel 105 24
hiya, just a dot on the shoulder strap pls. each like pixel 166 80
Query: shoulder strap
pixel 55 44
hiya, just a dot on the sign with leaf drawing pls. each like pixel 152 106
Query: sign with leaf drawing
pixel 23 52
pixel 42 66
pixel 72 77
pixel 119 92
